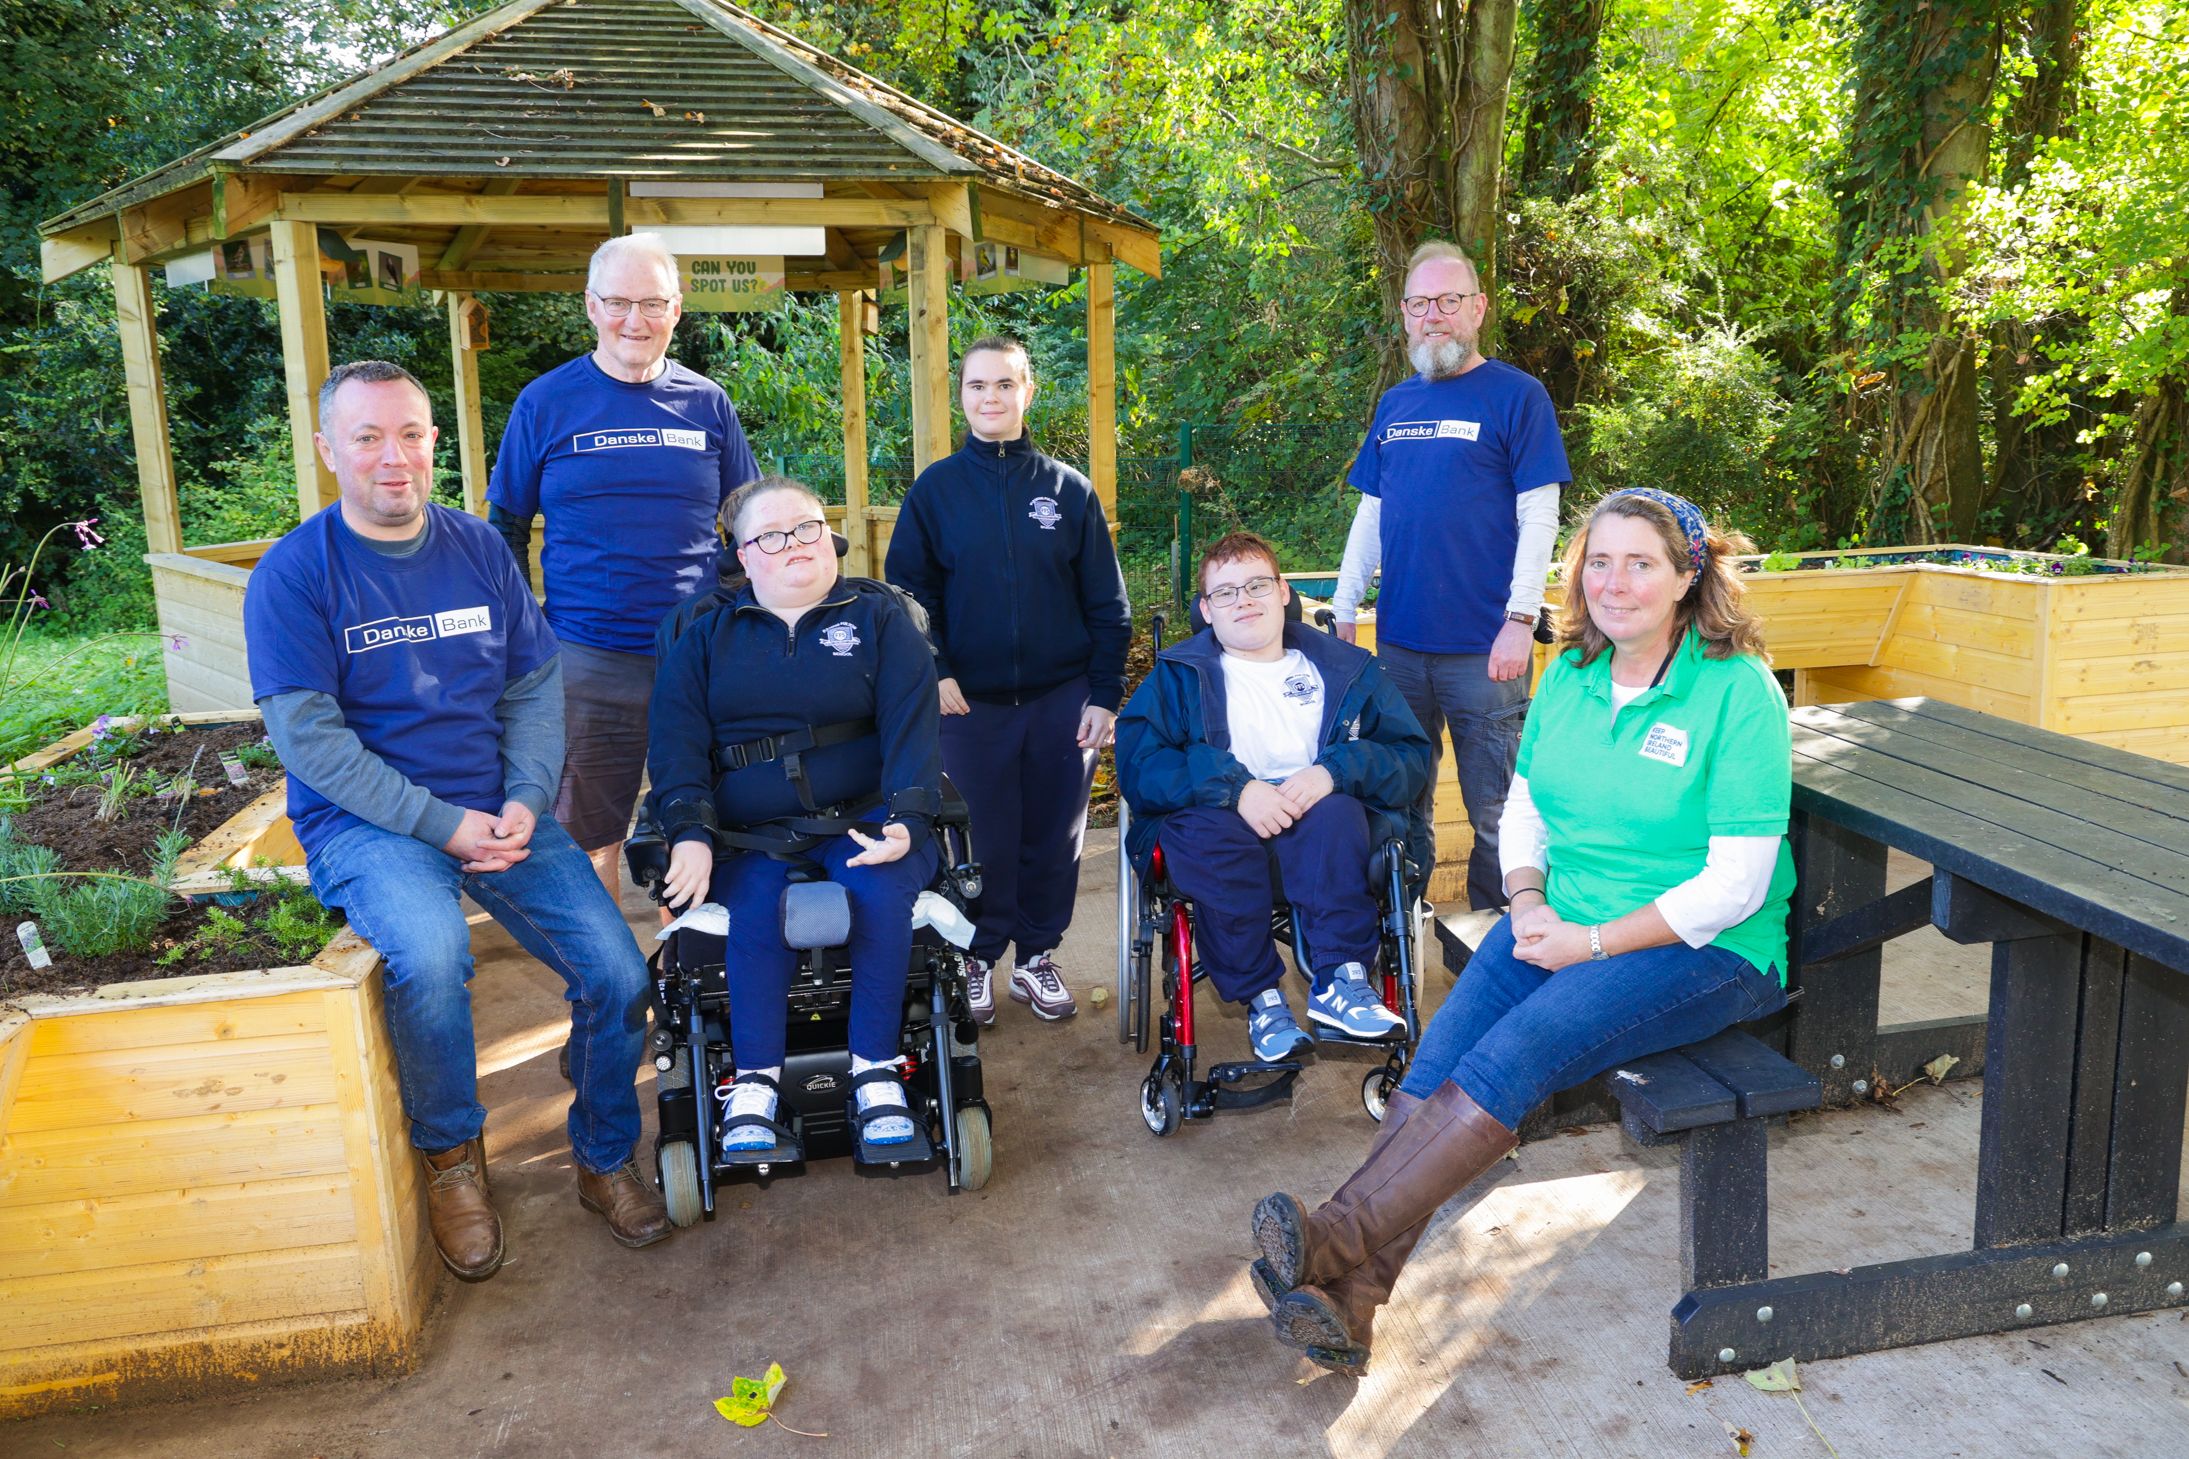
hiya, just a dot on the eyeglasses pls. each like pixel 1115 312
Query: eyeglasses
pixel 619 308
pixel 1227 595
pixel 807 532
pixel 1418 304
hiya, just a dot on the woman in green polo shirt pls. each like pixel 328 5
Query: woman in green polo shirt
pixel 1644 852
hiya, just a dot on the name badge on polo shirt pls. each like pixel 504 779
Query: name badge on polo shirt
pixel 1665 743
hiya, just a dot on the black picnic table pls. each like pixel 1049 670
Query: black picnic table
pixel 2072 860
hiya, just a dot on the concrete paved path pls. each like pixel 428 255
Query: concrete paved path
pixel 1093 1300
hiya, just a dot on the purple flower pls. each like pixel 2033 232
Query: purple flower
pixel 37 599
pixel 176 643
pixel 102 727
pixel 87 538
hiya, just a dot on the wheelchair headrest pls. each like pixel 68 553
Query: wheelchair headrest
pixel 815 914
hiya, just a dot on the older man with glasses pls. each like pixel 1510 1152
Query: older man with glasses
pixel 1459 480
pixel 628 456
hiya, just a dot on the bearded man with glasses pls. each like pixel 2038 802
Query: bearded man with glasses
pixel 627 456
pixel 1459 481
pixel 1256 746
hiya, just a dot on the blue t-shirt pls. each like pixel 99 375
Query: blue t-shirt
pixel 629 478
pixel 417 650
pixel 1448 457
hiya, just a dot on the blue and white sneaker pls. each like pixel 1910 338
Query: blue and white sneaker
pixel 1275 1034
pixel 1346 1005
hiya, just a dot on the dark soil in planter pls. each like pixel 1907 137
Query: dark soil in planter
pixel 81 975
pixel 62 817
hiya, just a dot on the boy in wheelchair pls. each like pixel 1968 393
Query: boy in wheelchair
pixel 1257 750
pixel 783 725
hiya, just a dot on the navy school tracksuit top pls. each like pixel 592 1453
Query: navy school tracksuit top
pixel 739 673
pixel 1010 554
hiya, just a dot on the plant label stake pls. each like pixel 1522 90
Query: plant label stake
pixel 34 946
pixel 233 766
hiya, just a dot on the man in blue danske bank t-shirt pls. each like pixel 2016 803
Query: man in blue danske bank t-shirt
pixel 1459 480
pixel 628 456
pixel 415 695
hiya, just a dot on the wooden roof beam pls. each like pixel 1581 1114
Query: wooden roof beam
pixel 471 235
pixel 168 225
pixel 591 213
pixel 77 249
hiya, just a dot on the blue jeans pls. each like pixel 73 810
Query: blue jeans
pixel 1511 1035
pixel 750 884
pixel 1486 719
pixel 401 896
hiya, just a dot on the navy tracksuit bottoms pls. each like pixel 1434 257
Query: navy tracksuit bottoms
pixel 1223 868
pixel 1026 781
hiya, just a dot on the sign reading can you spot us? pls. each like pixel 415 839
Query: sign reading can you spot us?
pixel 731 285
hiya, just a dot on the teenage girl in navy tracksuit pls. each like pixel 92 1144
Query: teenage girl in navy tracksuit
pixel 1010 554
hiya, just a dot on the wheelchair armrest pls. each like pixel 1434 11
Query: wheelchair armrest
pixel 647 854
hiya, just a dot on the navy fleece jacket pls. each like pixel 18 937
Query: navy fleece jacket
pixel 1010 554
pixel 1174 740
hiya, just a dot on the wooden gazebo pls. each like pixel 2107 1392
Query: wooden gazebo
pixel 504 151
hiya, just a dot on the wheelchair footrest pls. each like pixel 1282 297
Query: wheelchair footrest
pixel 789 1147
pixel 918 1150
pixel 1223 1093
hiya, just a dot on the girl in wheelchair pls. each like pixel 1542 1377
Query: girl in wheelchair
pixel 783 725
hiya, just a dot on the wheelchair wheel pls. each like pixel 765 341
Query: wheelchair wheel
pixel 976 1151
pixel 1376 1091
pixel 680 1182
pixel 1162 1104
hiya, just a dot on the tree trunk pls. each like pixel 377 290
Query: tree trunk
pixel 2155 495
pixel 2030 477
pixel 1429 81
pixel 1918 140
pixel 1557 154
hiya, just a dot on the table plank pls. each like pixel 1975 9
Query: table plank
pixel 2082 751
pixel 2112 903
pixel 2152 813
pixel 1946 777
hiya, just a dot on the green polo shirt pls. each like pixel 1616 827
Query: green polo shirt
pixel 1631 802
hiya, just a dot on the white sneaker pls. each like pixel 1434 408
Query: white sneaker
pixel 1037 984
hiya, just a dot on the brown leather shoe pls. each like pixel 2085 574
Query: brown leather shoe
pixel 466 1231
pixel 1397 1108
pixel 628 1201
pixel 1333 1326
pixel 1445 1143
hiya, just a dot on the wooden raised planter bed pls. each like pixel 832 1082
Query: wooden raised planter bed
pixel 2102 655
pixel 205 1182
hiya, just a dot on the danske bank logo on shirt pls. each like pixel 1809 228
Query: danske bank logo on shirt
pixel 1430 430
pixel 639 436
pixel 424 628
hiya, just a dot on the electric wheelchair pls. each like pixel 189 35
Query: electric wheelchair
pixel 691 1046
pixel 1152 914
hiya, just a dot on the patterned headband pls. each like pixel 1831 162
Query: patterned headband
pixel 1685 512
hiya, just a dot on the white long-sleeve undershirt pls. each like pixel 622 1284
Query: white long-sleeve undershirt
pixel 1735 878
pixel 1535 510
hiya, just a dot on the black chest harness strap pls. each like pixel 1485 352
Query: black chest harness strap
pixel 791 747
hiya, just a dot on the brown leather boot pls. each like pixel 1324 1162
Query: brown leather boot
pixel 466 1231
pixel 1445 1142
pixel 1396 1109
pixel 627 1200
pixel 1334 1326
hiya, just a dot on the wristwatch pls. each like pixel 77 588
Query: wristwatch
pixel 1525 619
pixel 1596 944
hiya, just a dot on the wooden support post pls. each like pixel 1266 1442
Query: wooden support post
pixel 147 406
pixel 2029 1084
pixel 470 431
pixel 851 354
pixel 928 274
pixel 1834 1029
pixel 1102 384
pixel 1724 1212
pixel 303 355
